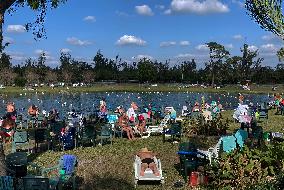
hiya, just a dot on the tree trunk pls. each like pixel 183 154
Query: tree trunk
pixel 1 32
pixel 3 171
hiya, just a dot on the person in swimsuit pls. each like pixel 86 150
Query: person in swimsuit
pixel 147 161
pixel 123 122
pixel 8 126
pixel 11 111
pixel 33 110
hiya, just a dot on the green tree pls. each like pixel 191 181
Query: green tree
pixel 268 14
pixel 37 27
pixel 217 53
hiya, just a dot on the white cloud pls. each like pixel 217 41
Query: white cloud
pixel 238 37
pixel 121 13
pixel 77 42
pixel 47 55
pixel 185 55
pixel 144 10
pixel 269 48
pixel 40 51
pixel 130 40
pixel 90 19
pixel 138 57
pixel 16 29
pixel 184 43
pixel 8 40
pixel 17 56
pixel 202 47
pixel 167 44
pixel 65 50
pixel 161 7
pixel 252 48
pixel 239 3
pixel 197 7
pixel 229 46
pixel 272 38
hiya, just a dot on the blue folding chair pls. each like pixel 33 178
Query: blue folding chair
pixel 6 183
pixel 229 143
pixel 241 136
pixel 65 172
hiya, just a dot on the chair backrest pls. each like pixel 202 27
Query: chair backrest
pixel 35 183
pixel 6 182
pixel 68 163
pixel 241 135
pixel 20 137
pixel 229 143
pixel 106 130
pixel 112 118
pixel 176 127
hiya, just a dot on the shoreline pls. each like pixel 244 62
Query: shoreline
pixel 259 89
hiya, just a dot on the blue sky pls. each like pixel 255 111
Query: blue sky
pixel 173 30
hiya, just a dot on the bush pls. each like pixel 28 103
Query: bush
pixel 20 81
pixel 216 127
pixel 249 168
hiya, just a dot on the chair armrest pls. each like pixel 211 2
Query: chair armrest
pixel 47 170
pixel 36 167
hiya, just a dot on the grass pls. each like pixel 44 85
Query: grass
pixel 256 89
pixel 110 166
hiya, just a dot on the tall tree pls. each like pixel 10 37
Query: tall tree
pixel 37 26
pixel 217 53
pixel 268 14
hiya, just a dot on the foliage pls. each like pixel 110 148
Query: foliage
pixel 249 167
pixel 215 127
pixel 280 54
pixel 268 14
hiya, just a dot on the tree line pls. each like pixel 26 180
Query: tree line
pixel 221 68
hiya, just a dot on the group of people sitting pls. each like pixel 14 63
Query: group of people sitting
pixel 129 119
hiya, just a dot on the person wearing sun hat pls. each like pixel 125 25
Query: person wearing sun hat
pixel 147 161
pixel 196 107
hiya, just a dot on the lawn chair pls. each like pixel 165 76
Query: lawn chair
pixel 105 133
pixel 17 162
pixel 241 136
pixel 65 172
pixel 229 143
pixel 20 138
pixel 149 176
pixel 6 183
pixel 54 130
pixel 35 183
pixel 190 161
pixel 86 134
pixel 263 111
pixel 226 144
pixel 175 131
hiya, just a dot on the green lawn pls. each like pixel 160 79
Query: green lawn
pixel 111 166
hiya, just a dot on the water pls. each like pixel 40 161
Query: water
pixel 89 102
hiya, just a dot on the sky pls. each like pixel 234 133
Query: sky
pixel 174 30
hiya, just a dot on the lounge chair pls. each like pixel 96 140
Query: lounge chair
pixel 149 175
pixel 241 136
pixel 6 183
pixel 65 172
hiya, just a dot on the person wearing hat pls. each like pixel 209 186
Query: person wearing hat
pixel 123 123
pixel 11 110
pixel 196 107
pixel 33 110
pixel 147 161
